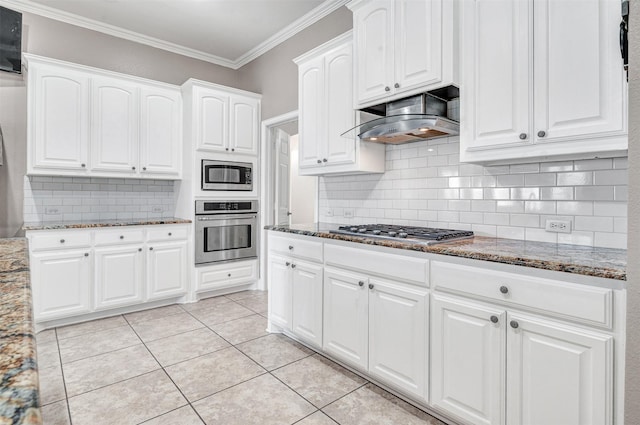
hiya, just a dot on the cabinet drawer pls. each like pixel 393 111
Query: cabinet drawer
pixel 226 275
pixel 299 248
pixel 396 267
pixel 60 240
pixel 588 304
pixel 167 233
pixel 118 237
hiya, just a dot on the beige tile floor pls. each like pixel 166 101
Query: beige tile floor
pixel 205 363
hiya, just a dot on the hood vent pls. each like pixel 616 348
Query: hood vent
pixel 412 119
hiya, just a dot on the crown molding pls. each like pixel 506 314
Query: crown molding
pixel 48 12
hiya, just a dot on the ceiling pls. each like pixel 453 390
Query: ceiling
pixel 230 33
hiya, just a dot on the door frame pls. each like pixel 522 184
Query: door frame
pixel 267 190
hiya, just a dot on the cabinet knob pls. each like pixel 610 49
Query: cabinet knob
pixel 494 319
pixel 121 237
pixel 514 324
pixel 396 85
pixel 324 159
pixel 293 266
pixel 504 289
pixel 371 286
pixel 83 165
pixel 233 149
pixel 226 149
pixel 319 161
pixel 290 247
pixel 169 233
pixel 523 136
pixel 61 240
pixel 133 168
pixel 287 264
pixel 86 254
pixel 387 88
pixel 150 248
pixel 229 275
pixel 139 249
pixel 361 283
pixel 541 133
pixel 144 168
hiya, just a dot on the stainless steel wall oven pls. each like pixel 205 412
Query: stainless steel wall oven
pixel 226 230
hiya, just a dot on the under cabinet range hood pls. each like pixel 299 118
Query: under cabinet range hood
pixel 412 119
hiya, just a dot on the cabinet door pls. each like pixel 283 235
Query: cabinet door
pixel 496 66
pixel 346 317
pixel 557 374
pixel 160 132
pixel 167 270
pixel 307 301
pixel 58 118
pixel 578 73
pixel 61 284
pixel 114 125
pixel 468 360
pixel 374 44
pixel 418 43
pixel 212 119
pixel 280 291
pixel 398 336
pixel 119 278
pixel 311 128
pixel 243 136
pixel 338 96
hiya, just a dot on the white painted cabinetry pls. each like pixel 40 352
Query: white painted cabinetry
pixel 119 276
pixel 402 47
pixel 85 121
pixel 222 119
pixel 167 269
pixel 325 93
pixel 541 79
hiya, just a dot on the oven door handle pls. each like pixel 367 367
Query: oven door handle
pixel 226 217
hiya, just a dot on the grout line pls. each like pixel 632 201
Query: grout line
pixel 64 382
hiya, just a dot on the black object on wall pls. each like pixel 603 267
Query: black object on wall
pixel 10 40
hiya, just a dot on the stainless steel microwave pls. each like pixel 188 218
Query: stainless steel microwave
pixel 225 175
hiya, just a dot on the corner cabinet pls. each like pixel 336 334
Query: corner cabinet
pixel 403 47
pixel 90 122
pixel 541 79
pixel 222 119
pixel 326 111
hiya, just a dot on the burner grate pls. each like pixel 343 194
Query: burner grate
pixel 404 232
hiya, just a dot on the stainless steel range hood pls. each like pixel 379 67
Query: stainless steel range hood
pixel 412 119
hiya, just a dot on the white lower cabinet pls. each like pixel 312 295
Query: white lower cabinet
pixel 226 275
pixel 280 304
pixel 378 326
pixel 61 283
pixel 555 373
pixel 166 269
pixel 119 272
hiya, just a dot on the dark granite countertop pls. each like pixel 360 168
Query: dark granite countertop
pixel 19 403
pixel 584 260
pixel 57 225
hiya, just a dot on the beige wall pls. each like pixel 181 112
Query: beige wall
pixel 632 393
pixel 46 37
pixel 276 76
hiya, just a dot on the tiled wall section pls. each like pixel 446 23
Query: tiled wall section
pixel 76 198
pixel 425 185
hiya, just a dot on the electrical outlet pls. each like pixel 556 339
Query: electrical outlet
pixel 52 210
pixel 348 213
pixel 156 209
pixel 328 212
pixel 558 226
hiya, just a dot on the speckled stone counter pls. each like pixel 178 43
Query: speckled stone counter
pixel 585 260
pixel 56 225
pixel 19 402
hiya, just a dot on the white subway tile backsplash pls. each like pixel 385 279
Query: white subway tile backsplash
pixel 425 185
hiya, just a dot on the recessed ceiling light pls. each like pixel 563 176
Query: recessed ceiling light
pixel 424 129
pixel 373 139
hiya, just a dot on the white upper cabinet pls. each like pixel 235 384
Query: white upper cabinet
pixel 114 130
pixel 160 129
pixel 222 119
pixel 325 78
pixel 58 127
pixel 541 79
pixel 90 122
pixel 402 47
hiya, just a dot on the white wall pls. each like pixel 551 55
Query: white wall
pixel 425 185
pixel 303 189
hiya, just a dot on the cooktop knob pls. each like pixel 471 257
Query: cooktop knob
pixel 354 229
pixel 376 232
pixel 402 235
pixel 362 230
pixel 392 234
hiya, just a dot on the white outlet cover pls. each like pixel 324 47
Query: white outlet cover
pixel 348 213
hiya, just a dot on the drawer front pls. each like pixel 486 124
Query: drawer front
pixel 589 304
pixel 395 267
pixel 118 237
pixel 167 233
pixel 59 240
pixel 294 247
pixel 227 275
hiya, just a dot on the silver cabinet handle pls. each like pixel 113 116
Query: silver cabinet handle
pixel 61 240
pixel 514 324
pixel 523 136
pixel 494 319
pixel 504 289
pixel 396 85
pixel 371 286
pixel 86 254
pixel 287 264
pixel 541 133
pixel 387 88
pixel 293 266
pixel 361 283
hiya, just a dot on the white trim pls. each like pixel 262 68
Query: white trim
pixel 289 31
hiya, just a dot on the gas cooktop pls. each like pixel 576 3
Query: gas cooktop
pixel 425 235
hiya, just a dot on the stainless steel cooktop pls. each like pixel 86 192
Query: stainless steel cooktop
pixel 425 235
